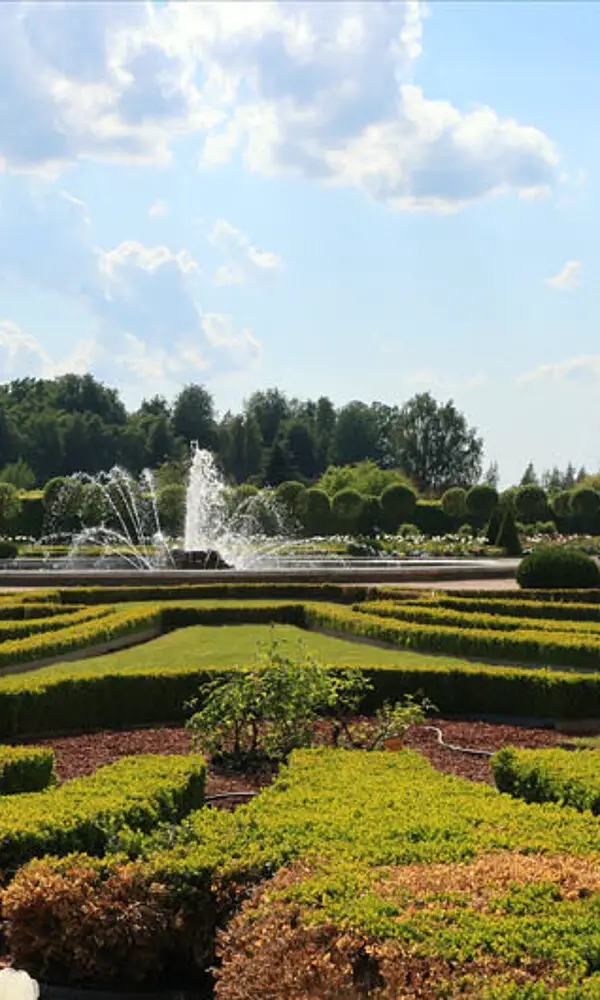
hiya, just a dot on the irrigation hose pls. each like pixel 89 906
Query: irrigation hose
pixel 452 746
pixel 431 729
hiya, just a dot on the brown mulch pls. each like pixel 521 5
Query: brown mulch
pixel 476 736
pixel 81 755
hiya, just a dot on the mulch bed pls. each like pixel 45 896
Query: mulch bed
pixel 81 755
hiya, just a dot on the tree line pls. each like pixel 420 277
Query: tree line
pixel 74 423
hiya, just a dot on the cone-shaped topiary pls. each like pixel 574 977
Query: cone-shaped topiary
pixel 494 524
pixel 508 536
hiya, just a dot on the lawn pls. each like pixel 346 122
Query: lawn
pixel 229 645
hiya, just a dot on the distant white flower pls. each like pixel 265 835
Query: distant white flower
pixel 16 984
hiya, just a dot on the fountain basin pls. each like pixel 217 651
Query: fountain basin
pixel 201 559
pixel 401 572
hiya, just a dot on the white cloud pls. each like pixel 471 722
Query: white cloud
pixel 158 208
pixel 146 301
pixel 21 351
pixel 323 91
pixel 568 278
pixel 243 257
pixel 580 370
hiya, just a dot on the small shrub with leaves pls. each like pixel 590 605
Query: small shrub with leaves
pixel 392 721
pixel 260 713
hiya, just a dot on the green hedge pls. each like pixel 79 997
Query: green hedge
pixel 25 769
pixel 569 777
pixel 24 611
pixel 83 814
pixel 561 596
pixel 30 519
pixel 360 832
pixel 563 649
pixel 19 629
pixel 78 702
pixel 434 614
pixel 522 609
pixel 110 625
pixel 216 591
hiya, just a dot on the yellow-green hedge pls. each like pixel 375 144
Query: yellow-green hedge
pixel 83 814
pixel 25 769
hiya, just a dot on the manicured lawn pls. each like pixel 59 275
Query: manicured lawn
pixel 228 645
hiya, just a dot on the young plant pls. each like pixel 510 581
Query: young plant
pixel 392 721
pixel 262 712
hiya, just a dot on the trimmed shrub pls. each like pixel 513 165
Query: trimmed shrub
pixel 561 503
pixel 10 505
pixel 555 566
pixel 397 506
pixel 292 496
pixel 83 814
pixel 454 502
pixel 431 519
pixel 29 520
pixel 171 508
pixel 347 506
pixel 363 842
pixel 109 924
pixel 585 502
pixel 571 778
pixel 8 550
pixel 494 524
pixel 370 518
pixel 93 505
pixel 25 769
pixel 481 501
pixel 531 504
pixel 508 536
pixel 316 515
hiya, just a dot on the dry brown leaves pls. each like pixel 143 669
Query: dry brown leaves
pixel 490 875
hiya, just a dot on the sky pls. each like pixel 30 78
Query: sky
pixel 363 200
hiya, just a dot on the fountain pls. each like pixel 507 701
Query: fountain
pixel 221 535
pixel 251 539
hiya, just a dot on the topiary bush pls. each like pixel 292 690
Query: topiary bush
pixel 454 502
pixel 10 504
pixel 8 550
pixel 558 567
pixel 370 519
pixel 585 502
pixel 316 515
pixel 481 501
pixel 347 507
pixel 397 505
pixel 494 524
pixel 508 536
pixel 531 504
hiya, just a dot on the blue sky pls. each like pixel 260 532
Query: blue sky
pixel 358 199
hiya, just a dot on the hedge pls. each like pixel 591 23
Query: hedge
pixel 25 769
pixel 83 814
pixel 33 705
pixel 522 609
pixel 561 596
pixel 563 649
pixel 436 615
pixel 16 629
pixel 568 777
pixel 216 591
pixel 24 611
pixel 442 882
pixel 110 625
pixel 30 519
